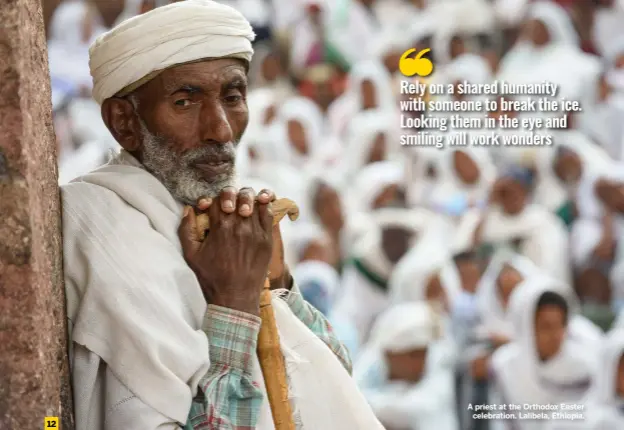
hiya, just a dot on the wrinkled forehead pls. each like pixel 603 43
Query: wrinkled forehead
pixel 203 76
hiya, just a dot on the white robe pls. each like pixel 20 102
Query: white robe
pixel 520 378
pixel 545 238
pixel 361 300
pixel 604 408
pixel 425 405
pixel 138 353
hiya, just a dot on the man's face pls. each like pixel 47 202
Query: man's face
pixel 191 119
pixel 568 167
pixel 507 281
pixel 407 366
pixel 466 168
pixel 395 242
pixel 550 327
pixel 513 197
pixel 328 207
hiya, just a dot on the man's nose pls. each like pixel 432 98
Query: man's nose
pixel 215 125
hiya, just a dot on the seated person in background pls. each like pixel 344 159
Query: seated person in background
pixel 401 374
pixel 553 357
pixel 512 220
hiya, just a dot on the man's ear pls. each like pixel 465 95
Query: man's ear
pixel 121 119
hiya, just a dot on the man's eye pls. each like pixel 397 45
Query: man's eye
pixel 233 99
pixel 183 102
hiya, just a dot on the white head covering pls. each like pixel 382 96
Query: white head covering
pixel 310 116
pixel 375 72
pixel 175 34
pixel 430 256
pixel 469 67
pixel 404 327
pixel 304 235
pixel 556 20
pixel 494 318
pixel 521 376
pixel 371 181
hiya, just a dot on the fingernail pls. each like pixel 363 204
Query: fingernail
pixel 245 208
pixel 228 204
pixel 203 202
pixel 264 195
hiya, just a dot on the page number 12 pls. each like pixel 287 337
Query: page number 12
pixel 50 423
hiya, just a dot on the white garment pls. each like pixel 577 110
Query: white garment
pixel 425 405
pixel 521 378
pixel 494 319
pixel 361 299
pixel 450 186
pixel 550 191
pixel 150 340
pixel 307 113
pixel 604 406
pixel 166 36
pixel 544 236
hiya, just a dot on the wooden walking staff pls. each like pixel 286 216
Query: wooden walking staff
pixel 269 350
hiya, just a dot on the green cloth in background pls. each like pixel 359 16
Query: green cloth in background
pixel 566 213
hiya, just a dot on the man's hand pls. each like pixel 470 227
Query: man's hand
pixel 279 274
pixel 231 264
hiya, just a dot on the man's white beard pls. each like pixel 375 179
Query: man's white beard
pixel 176 171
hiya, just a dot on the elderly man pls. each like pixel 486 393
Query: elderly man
pixel 164 328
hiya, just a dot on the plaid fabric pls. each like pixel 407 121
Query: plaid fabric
pixel 316 322
pixel 228 398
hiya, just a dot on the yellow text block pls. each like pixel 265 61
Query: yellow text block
pixel 51 423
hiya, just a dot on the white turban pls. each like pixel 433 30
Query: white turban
pixel 179 33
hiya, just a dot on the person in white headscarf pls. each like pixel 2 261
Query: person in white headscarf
pixel 75 25
pixel 298 134
pixel 366 276
pixel 324 205
pixel 401 372
pixel 552 359
pixel 163 327
pixel 595 238
pixel 600 120
pixel 512 220
pixel 549 43
pixel 369 90
pixel 561 168
pixel 369 143
pixel 351 23
pixel 604 403
pixel 465 179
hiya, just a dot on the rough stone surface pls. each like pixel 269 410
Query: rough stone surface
pixel 34 377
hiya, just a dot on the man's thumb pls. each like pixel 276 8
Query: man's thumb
pixel 187 232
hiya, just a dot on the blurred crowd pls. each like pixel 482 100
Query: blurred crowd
pixel 466 275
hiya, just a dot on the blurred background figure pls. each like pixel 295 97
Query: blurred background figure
pixel 456 276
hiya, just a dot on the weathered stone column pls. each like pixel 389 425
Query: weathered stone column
pixel 34 380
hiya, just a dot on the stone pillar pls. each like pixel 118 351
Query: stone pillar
pixel 34 381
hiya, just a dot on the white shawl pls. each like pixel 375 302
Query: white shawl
pixel 521 378
pixel 604 409
pixel 151 338
pixel 545 238
pixel 494 319
pixel 550 191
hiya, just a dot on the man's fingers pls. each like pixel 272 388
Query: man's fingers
pixel 246 197
pixel 265 215
pixel 266 196
pixel 187 232
pixel 203 203
pixel 228 199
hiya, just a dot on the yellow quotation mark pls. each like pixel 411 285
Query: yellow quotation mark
pixel 417 65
